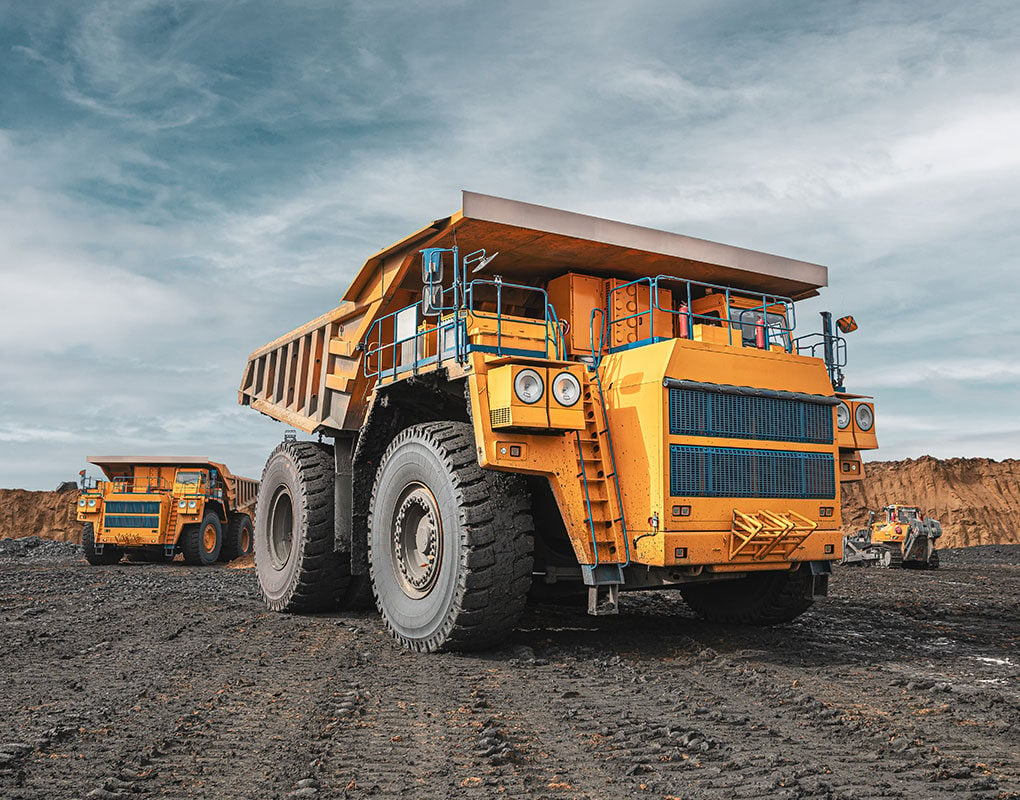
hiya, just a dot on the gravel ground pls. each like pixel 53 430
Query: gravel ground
pixel 169 681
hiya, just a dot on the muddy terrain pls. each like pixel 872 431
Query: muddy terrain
pixel 169 681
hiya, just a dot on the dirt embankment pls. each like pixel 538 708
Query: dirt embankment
pixel 976 499
pixel 50 515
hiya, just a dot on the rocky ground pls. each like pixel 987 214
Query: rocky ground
pixel 169 681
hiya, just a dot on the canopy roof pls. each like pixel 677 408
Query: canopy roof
pixel 119 466
pixel 536 243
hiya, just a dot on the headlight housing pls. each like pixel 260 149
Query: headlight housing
pixel 566 389
pixel 81 502
pixel 182 503
pixel 842 414
pixel 529 386
pixel 92 502
pixel 864 416
pixel 192 503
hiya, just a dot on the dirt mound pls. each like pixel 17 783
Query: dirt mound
pixel 49 515
pixel 976 499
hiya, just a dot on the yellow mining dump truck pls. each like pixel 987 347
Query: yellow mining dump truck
pixel 153 507
pixel 904 538
pixel 517 394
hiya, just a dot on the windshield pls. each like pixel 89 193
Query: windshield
pixel 747 320
pixel 192 478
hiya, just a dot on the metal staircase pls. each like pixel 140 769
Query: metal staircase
pixel 603 501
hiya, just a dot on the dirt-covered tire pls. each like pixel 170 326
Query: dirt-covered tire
pixel 761 598
pixel 201 543
pixel 296 565
pixel 450 543
pixel 239 538
pixel 109 553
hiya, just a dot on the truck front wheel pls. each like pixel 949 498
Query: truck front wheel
pixel 201 543
pixel 296 565
pixel 108 555
pixel 450 543
pixel 761 598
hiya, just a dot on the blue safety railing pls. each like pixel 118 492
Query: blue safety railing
pixel 130 485
pixel 391 353
pixel 681 320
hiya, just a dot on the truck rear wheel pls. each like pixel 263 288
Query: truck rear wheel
pixel 761 598
pixel 296 565
pixel 201 543
pixel 450 544
pixel 239 538
pixel 108 555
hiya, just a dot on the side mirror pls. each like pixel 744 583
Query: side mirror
pixel 432 300
pixel 431 265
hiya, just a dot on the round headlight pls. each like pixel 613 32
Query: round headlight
pixel 529 386
pixel 81 502
pixel 182 504
pixel 842 414
pixel 566 389
pixel 864 416
pixel 92 503
pixel 192 503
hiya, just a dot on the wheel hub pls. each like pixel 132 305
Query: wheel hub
pixel 281 529
pixel 417 541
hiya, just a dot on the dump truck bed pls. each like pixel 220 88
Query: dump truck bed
pixel 312 378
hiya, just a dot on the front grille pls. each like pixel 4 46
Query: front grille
pixel 132 507
pixel 696 412
pixel 126 521
pixel 499 416
pixel 739 472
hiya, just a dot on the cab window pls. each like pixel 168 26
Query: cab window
pixel 193 478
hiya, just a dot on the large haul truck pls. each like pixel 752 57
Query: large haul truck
pixel 152 507
pixel 516 396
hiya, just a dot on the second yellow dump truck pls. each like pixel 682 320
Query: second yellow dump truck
pixel 518 396
pixel 152 507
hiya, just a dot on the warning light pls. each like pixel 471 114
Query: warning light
pixel 846 324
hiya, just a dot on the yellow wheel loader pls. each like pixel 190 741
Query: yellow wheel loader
pixel 903 538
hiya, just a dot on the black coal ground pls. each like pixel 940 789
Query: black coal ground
pixel 168 681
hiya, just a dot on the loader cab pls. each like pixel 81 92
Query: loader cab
pixel 190 481
pixel 902 514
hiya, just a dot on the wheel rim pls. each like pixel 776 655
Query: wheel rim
pixel 245 539
pixel 417 537
pixel 281 529
pixel 209 538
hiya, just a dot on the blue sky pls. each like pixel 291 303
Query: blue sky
pixel 184 181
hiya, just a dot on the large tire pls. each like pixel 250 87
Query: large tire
pixel 239 539
pixel 296 565
pixel 109 553
pixel 761 598
pixel 450 544
pixel 201 543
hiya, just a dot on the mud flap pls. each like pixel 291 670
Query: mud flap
pixel 820 572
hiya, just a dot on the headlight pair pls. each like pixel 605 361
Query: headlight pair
pixel 529 388
pixel 863 416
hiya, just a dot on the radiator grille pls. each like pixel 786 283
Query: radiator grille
pixel 694 412
pixel 739 472
pixel 126 521
pixel 131 507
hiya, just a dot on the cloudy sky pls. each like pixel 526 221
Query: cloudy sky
pixel 181 182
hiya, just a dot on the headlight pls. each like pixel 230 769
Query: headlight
pixel 842 414
pixel 529 386
pixel 192 503
pixel 92 503
pixel 566 389
pixel 81 502
pixel 182 504
pixel 865 416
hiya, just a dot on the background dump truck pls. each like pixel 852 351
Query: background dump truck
pixel 517 394
pixel 154 507
pixel 904 537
